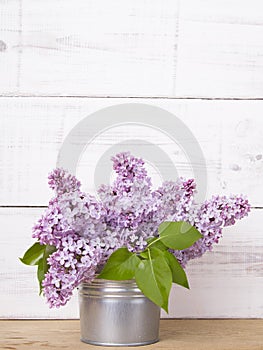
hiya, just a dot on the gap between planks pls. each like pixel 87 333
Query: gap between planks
pixel 138 97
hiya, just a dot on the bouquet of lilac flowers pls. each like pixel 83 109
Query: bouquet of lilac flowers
pixel 131 231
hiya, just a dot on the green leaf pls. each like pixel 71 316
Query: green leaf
pixel 178 235
pixel 33 254
pixel 40 274
pixel 144 254
pixel 155 246
pixel 43 265
pixel 121 265
pixel 156 242
pixel 154 278
pixel 38 254
pixel 178 273
pixel 155 252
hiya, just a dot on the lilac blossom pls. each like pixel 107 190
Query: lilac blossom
pixel 52 226
pixel 76 260
pixel 129 201
pixel 130 173
pixel 210 218
pixel 84 214
pixel 172 201
pixel 85 231
pixel 62 182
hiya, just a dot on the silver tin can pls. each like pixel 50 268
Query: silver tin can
pixel 116 313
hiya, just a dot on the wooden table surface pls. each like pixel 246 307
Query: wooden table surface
pixel 174 334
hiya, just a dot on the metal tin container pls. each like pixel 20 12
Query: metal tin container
pixel 116 313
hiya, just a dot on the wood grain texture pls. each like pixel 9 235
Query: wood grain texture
pixel 156 48
pixel 32 130
pixel 10 52
pixel 97 48
pixel 220 49
pixel 226 282
pixel 174 334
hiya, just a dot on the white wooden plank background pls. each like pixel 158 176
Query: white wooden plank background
pixel 220 49
pixel 201 60
pixel 97 48
pixel 132 48
pixel 32 130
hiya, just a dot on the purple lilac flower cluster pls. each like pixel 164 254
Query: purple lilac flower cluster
pixel 75 261
pixel 85 231
pixel 210 218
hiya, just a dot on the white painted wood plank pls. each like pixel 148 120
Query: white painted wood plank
pixel 132 48
pixel 99 48
pixel 9 47
pixel 224 283
pixel 32 131
pixel 220 49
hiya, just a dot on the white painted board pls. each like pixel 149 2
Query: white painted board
pixel 220 49
pixel 32 131
pixel 191 48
